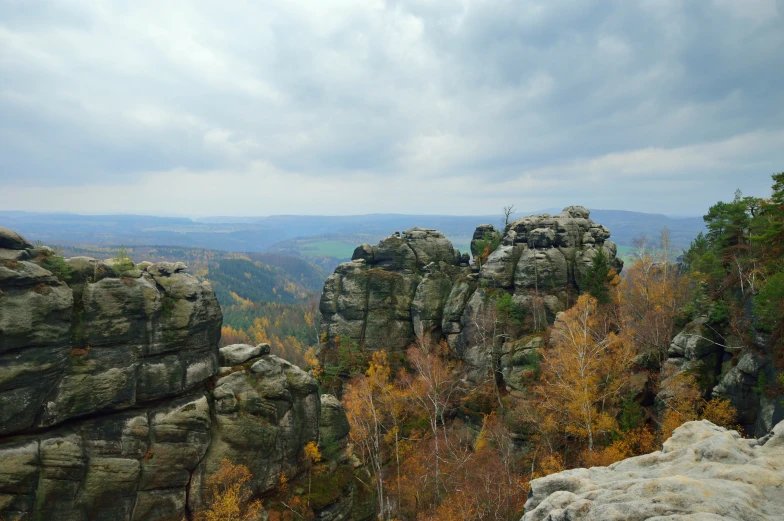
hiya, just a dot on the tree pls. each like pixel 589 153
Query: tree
pixel 312 456
pixel 487 245
pixel 433 388
pixel 508 211
pixel 769 303
pixel 584 374
pixel 230 495
pixel 649 298
pixel 597 278
pixel 682 402
pixel 364 400
pixel 122 262
pixel 772 235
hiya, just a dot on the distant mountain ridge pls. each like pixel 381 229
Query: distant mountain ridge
pixel 274 233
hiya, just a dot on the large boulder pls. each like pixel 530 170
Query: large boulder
pixel 702 473
pixel 10 240
pixel 389 291
pixel 131 465
pixel 263 417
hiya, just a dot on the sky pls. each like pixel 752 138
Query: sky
pixel 339 107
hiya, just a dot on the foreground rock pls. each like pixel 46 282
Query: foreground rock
pixel 116 404
pixel 415 287
pixel 703 473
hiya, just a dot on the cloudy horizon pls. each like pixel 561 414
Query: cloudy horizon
pixel 346 107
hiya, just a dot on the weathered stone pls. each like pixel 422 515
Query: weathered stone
pixel 703 473
pixel 410 287
pixel 695 341
pixel 103 386
pixel 334 426
pixel 499 268
pixel 11 240
pixel 428 305
pixel 236 354
pixel 264 417
pixel 541 270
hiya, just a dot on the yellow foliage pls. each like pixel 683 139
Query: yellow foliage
pixel 681 398
pixel 721 412
pixel 584 374
pixel 312 453
pixel 631 443
pixel 549 464
pixel 312 360
pixel 230 495
pixel 245 303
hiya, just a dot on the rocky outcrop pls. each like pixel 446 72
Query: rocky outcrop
pixel 702 473
pixel 375 299
pixel 724 367
pixel 415 287
pixel 115 402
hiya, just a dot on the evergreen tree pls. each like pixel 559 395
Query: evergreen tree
pixel 595 280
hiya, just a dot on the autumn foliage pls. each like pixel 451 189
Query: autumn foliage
pixel 230 496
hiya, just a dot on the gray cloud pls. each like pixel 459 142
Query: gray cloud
pixel 350 106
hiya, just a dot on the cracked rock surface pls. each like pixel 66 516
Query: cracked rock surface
pixel 702 473
pixel 110 404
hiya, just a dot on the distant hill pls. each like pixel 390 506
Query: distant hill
pixel 323 240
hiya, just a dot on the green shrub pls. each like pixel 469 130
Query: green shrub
pixel 122 262
pixel 487 245
pixel 55 263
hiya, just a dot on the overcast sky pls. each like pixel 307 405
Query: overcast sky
pixel 410 106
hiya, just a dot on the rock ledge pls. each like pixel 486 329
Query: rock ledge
pixel 702 473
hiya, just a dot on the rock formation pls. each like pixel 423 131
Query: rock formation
pixel 115 403
pixel 415 286
pixel 702 473
pixel 725 368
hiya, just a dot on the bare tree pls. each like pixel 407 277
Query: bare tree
pixel 665 246
pixel 508 210
pixel 490 337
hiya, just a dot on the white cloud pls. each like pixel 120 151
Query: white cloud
pixel 363 105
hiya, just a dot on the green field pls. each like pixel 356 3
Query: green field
pixel 337 249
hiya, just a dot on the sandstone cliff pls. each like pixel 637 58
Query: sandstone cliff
pixel 726 368
pixel 702 473
pixel 115 403
pixel 414 286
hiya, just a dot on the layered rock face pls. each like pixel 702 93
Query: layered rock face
pixel 415 286
pixel 107 410
pixel 702 473
pixel 725 368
